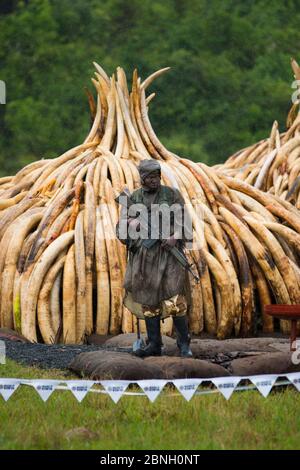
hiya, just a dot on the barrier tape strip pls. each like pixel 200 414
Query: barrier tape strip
pixel 152 388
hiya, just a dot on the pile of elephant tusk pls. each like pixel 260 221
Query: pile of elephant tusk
pixel 62 268
pixel 273 164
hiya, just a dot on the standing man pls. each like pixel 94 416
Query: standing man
pixel 156 285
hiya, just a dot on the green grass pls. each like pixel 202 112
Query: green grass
pixel 246 421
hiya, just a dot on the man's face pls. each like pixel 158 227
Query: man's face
pixel 152 181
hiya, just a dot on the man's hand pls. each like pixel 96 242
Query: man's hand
pixel 169 242
pixel 134 224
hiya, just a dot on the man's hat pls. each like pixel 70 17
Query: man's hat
pixel 148 166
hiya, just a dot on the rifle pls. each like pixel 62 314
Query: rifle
pixel 148 243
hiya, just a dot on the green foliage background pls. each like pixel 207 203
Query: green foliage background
pixel 230 75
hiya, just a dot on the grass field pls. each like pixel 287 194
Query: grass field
pixel 246 421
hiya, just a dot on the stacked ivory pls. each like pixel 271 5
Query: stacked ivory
pixel 273 164
pixel 62 268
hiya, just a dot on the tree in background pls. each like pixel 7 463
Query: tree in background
pixel 230 75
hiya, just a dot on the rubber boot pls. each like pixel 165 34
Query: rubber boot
pixel 183 337
pixel 153 347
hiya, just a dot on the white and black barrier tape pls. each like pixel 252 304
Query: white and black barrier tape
pixel 151 388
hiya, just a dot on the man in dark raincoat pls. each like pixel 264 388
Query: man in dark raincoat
pixel 156 285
